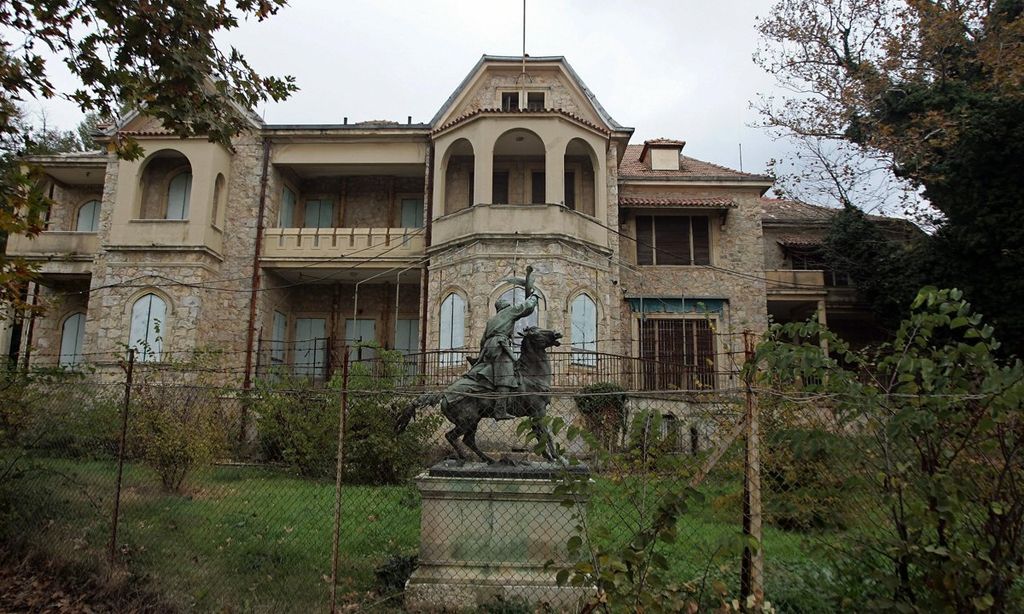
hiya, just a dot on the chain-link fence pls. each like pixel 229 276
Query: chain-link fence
pixel 299 494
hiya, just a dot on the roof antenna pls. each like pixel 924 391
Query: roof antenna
pixel 741 157
pixel 524 41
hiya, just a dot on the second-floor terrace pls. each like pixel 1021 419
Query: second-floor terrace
pixel 70 238
pixel 350 203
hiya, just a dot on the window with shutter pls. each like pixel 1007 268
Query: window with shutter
pixel 584 330
pixel 279 328
pixel 570 190
pixel 319 214
pixel 537 187
pixel 672 236
pixel 453 328
pixel 147 326
pixel 178 194
pixel 701 240
pixel 88 217
pixel 72 335
pixel 286 217
pixel 412 213
pixel 499 188
pixel 310 347
pixel 645 240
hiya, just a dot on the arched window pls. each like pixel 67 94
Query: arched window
pixel 72 335
pixel 179 191
pixel 584 330
pixel 218 198
pixel 453 328
pixel 148 319
pixel 516 296
pixel 88 217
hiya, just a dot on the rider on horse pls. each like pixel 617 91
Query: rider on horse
pixel 496 364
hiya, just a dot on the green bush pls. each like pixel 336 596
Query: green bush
pixel 603 407
pixel 298 424
pixel 174 429
pixel 805 484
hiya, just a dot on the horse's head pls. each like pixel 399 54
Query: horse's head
pixel 540 338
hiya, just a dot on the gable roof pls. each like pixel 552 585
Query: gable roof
pixel 632 166
pixel 516 60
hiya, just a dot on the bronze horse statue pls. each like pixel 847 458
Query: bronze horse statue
pixel 466 401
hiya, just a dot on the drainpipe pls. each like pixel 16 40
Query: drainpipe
pixel 428 198
pixel 250 333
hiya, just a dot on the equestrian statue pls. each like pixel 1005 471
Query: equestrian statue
pixel 497 385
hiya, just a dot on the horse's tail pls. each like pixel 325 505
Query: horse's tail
pixel 409 413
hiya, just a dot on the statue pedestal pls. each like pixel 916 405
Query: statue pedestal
pixel 486 533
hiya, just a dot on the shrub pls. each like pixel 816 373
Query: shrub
pixel 174 429
pixel 298 424
pixel 603 407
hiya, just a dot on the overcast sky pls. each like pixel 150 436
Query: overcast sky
pixel 678 69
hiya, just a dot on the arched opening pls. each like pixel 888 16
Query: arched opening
pixel 149 314
pixel 580 177
pixel 88 218
pixel 72 334
pixel 458 177
pixel 219 195
pixel 583 334
pixel 165 187
pixel 518 177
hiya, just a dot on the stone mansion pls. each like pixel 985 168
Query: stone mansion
pixel 307 239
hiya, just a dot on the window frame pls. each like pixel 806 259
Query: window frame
pixel 660 366
pixel 456 319
pixel 96 215
pixel 584 352
pixel 186 201
pixel 150 348
pixel 79 317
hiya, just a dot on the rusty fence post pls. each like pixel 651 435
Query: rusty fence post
pixel 338 475
pixel 129 369
pixel 752 564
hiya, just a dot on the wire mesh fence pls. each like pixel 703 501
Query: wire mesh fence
pixel 299 495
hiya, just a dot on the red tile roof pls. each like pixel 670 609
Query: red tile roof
pixel 707 203
pixel 562 112
pixel 799 241
pixel 633 167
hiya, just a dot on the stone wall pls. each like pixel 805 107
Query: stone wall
pixel 67 200
pixel 551 81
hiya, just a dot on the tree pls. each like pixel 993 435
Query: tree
pixel 159 55
pixel 935 90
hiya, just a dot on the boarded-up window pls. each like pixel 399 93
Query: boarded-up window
pixel 499 187
pixel 412 213
pixel 673 240
pixel 72 334
pixel 286 217
pixel 359 334
pixel 179 192
pixel 537 187
pixel 148 323
pixel 310 347
pixel 279 330
pixel 319 214
pixel 678 354
pixel 570 189
pixel 584 330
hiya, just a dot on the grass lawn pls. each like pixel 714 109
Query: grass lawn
pixel 246 538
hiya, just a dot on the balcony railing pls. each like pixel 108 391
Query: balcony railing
pixel 54 243
pixel 789 281
pixel 387 244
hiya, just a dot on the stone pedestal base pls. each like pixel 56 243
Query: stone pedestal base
pixel 486 534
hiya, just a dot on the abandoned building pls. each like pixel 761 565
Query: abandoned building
pixel 307 242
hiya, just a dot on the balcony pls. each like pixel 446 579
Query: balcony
pixel 63 251
pixel 795 283
pixel 516 222
pixel 345 247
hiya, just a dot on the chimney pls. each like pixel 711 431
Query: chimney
pixel 662 154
